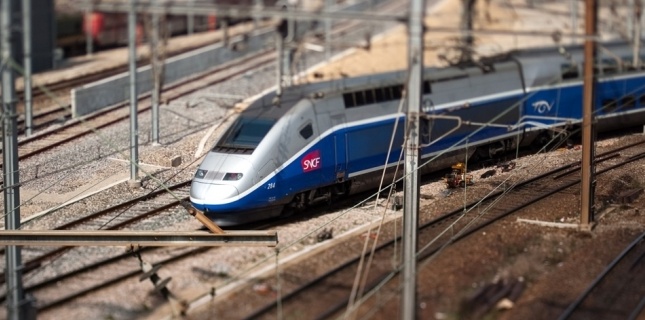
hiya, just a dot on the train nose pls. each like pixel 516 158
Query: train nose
pixel 212 192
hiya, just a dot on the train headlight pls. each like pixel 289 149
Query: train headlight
pixel 201 173
pixel 232 176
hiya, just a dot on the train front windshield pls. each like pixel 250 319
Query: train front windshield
pixel 246 133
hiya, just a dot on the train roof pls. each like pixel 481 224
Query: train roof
pixel 543 66
pixel 265 106
pixel 540 66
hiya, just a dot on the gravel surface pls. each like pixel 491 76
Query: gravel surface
pixel 544 257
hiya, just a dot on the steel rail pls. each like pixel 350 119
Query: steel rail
pixel 377 280
pixel 621 258
pixel 40 260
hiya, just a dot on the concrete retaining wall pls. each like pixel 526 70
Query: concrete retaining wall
pixel 113 90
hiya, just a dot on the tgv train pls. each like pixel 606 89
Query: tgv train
pixel 330 139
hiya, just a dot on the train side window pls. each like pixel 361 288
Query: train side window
pixel 387 94
pixel 609 105
pixel 349 100
pixel 369 97
pixel 641 100
pixel 570 71
pixel 307 131
pixel 628 102
pixel 359 98
pixel 397 92
pixel 378 94
pixel 427 89
pixel 609 69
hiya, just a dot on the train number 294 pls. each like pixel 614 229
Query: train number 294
pixel 270 185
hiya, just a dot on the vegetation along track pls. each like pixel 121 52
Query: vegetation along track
pixel 621 281
pixel 325 293
pixel 114 218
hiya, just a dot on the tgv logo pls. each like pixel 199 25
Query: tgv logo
pixel 311 161
pixel 542 106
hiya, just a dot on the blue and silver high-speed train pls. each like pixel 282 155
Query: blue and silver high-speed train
pixel 332 138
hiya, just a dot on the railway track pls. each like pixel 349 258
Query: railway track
pixel 116 264
pixel 622 281
pixel 44 104
pixel 102 274
pixel 82 126
pixel 116 217
pixel 125 266
pixel 322 295
pixel 54 106
pixel 46 117
pixel 76 128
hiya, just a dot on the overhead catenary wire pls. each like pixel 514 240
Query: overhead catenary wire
pixel 426 163
pixel 320 227
pixel 276 254
pixel 451 226
pixel 359 282
pixel 105 140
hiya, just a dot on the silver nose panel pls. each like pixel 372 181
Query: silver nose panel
pixel 212 193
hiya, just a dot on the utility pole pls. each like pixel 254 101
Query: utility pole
pixel 13 271
pixel 411 205
pixel 26 54
pixel 134 130
pixel 190 19
pixel 285 37
pixel 89 44
pixel 574 19
pixel 467 38
pixel 637 34
pixel 328 24
pixel 588 132
pixel 630 20
pixel 157 57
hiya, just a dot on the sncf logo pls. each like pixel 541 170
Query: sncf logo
pixel 311 161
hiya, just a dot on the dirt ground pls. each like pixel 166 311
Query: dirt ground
pixel 504 25
pixel 554 264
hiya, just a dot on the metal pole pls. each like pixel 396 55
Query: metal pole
pixel 411 206
pixel 328 5
pixel 258 4
pixel 156 78
pixel 637 35
pixel 280 50
pixel 574 19
pixel 26 48
pixel 288 45
pixel 191 19
pixel 134 131
pixel 89 41
pixel 467 25
pixel 642 22
pixel 15 294
pixel 630 20
pixel 588 150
